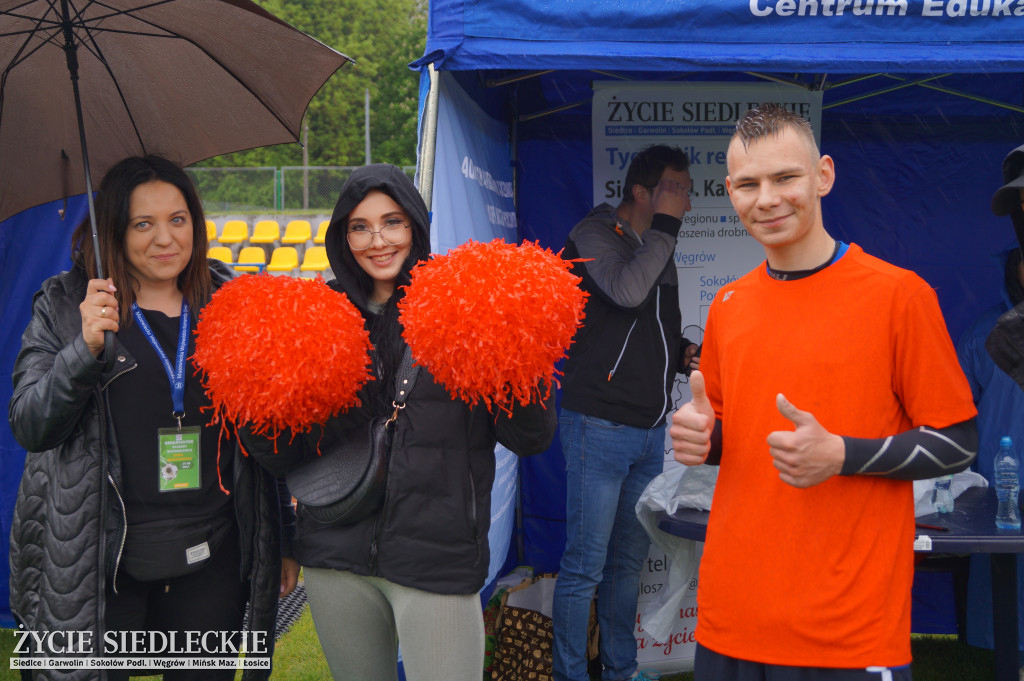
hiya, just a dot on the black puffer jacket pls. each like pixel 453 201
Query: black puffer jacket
pixel 68 528
pixel 432 532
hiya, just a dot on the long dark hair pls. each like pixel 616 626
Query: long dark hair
pixel 113 201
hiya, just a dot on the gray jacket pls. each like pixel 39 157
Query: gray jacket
pixel 623 362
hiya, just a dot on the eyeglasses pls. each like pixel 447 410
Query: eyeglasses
pixel 689 192
pixel 392 232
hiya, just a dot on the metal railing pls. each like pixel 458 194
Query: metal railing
pixel 262 190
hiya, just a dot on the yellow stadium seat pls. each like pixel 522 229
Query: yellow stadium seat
pixel 222 253
pixel 251 259
pixel 234 232
pixel 321 233
pixel 265 232
pixel 211 230
pixel 283 259
pixel 297 232
pixel 315 260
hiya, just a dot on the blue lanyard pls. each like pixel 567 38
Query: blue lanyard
pixel 176 375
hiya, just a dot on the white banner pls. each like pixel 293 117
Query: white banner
pixel 472 192
pixel 713 247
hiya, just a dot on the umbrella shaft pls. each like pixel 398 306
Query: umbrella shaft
pixel 71 53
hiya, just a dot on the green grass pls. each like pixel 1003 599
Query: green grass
pixel 943 658
pixel 298 658
pixel 6 646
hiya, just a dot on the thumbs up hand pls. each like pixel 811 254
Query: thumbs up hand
pixel 692 425
pixel 807 455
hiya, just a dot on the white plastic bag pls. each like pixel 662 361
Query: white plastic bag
pixel 678 487
pixel 962 481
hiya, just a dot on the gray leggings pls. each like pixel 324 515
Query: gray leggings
pixel 360 620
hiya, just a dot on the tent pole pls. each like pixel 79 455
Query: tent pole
pixel 498 82
pixel 429 132
pixel 965 95
pixel 554 110
pixel 513 152
pixel 514 160
pixel 867 95
pixel 780 81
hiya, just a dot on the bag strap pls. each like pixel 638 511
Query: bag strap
pixel 404 382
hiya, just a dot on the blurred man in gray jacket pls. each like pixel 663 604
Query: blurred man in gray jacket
pixel 616 394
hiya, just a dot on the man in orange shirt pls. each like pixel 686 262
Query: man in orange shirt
pixel 828 382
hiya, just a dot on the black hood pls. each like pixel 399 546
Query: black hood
pixel 1008 196
pixel 396 184
pixel 1006 200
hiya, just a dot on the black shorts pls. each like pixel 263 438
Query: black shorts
pixel 711 666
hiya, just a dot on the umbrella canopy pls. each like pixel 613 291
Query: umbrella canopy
pixel 186 79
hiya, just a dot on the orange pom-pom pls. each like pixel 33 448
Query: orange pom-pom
pixel 489 320
pixel 281 353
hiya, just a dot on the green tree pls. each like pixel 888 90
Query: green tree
pixel 383 36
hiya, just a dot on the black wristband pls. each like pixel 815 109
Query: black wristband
pixel 667 224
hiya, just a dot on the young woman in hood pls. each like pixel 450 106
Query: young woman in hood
pixel 410 573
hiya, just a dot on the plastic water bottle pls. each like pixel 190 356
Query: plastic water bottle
pixel 942 494
pixel 1007 486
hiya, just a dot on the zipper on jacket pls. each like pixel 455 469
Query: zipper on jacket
pixel 622 351
pixel 378 523
pixel 101 571
pixel 102 409
pixel 124 533
pixel 472 504
pixel 667 403
pixel 257 530
pixel 257 523
pixel 119 373
pixel 110 478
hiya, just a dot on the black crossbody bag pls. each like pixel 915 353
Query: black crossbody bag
pixel 347 482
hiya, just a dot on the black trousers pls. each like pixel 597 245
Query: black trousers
pixel 211 599
pixel 711 666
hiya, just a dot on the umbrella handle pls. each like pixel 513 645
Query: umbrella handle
pixel 108 350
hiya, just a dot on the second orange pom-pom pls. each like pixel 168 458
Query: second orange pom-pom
pixel 490 320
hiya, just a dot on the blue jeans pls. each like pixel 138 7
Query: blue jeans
pixel 608 465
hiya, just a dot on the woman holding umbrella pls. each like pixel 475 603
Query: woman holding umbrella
pixel 134 512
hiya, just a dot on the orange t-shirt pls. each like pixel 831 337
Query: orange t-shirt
pixel 819 577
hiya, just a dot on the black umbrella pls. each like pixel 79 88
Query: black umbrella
pixel 187 79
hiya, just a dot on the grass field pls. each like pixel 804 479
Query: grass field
pixel 299 658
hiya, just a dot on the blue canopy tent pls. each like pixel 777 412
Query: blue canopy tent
pixel 921 101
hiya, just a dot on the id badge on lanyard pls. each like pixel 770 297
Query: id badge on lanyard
pixel 178 448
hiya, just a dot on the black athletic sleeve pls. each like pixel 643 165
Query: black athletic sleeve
pixel 916 454
pixel 715 454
